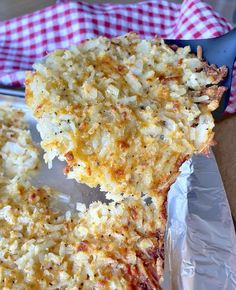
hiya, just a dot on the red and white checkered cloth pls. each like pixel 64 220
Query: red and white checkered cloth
pixel 25 39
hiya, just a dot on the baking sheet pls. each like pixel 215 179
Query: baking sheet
pixel 200 238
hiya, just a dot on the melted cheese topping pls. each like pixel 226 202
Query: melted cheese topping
pixel 121 112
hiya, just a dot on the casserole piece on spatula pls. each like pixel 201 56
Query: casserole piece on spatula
pixel 124 113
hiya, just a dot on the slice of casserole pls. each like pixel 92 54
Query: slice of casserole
pixel 124 113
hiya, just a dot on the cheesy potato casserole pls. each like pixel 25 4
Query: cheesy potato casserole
pixel 124 113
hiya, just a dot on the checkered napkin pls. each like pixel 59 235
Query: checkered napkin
pixel 25 39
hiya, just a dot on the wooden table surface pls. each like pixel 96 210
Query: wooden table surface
pixel 225 150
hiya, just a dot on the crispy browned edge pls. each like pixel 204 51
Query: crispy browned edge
pixel 145 275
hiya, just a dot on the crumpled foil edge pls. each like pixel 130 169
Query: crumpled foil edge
pixel 200 238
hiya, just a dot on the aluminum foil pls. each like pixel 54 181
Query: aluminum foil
pixel 200 238
pixel 201 241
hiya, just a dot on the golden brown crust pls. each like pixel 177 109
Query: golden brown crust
pixel 214 93
pixel 218 74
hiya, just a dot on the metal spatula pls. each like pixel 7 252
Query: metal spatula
pixel 220 51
